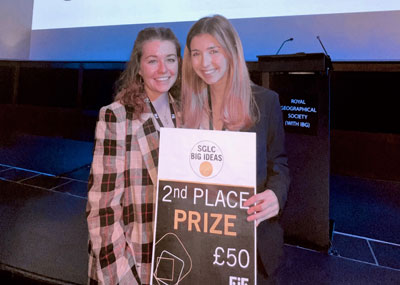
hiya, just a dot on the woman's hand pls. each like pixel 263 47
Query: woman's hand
pixel 263 206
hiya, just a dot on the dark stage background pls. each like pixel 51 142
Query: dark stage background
pixel 62 99
pixel 48 112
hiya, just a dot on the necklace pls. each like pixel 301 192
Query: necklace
pixel 165 116
pixel 210 119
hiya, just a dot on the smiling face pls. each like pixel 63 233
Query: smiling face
pixel 158 67
pixel 209 60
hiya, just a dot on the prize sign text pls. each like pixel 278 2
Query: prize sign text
pixel 202 235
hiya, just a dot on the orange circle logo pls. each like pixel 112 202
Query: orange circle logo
pixel 206 168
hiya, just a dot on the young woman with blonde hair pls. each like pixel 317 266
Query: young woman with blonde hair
pixel 217 94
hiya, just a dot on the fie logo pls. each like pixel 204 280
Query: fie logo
pixel 233 280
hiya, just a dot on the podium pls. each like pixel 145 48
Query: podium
pixel 302 82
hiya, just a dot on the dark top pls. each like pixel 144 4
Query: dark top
pixel 272 173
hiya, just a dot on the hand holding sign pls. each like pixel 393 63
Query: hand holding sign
pixel 263 206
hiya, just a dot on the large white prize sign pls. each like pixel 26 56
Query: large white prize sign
pixel 201 233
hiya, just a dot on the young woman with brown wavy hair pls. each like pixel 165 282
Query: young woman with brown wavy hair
pixel 123 176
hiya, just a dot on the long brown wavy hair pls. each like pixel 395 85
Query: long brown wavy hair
pixel 129 88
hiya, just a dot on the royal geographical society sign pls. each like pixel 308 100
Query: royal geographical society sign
pixel 201 233
pixel 300 115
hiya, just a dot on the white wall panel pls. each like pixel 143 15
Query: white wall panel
pixel 350 36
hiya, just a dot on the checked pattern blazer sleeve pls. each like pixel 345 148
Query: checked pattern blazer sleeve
pixel 120 198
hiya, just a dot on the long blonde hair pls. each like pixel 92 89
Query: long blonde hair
pixel 239 110
pixel 130 86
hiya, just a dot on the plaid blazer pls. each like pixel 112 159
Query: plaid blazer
pixel 121 196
